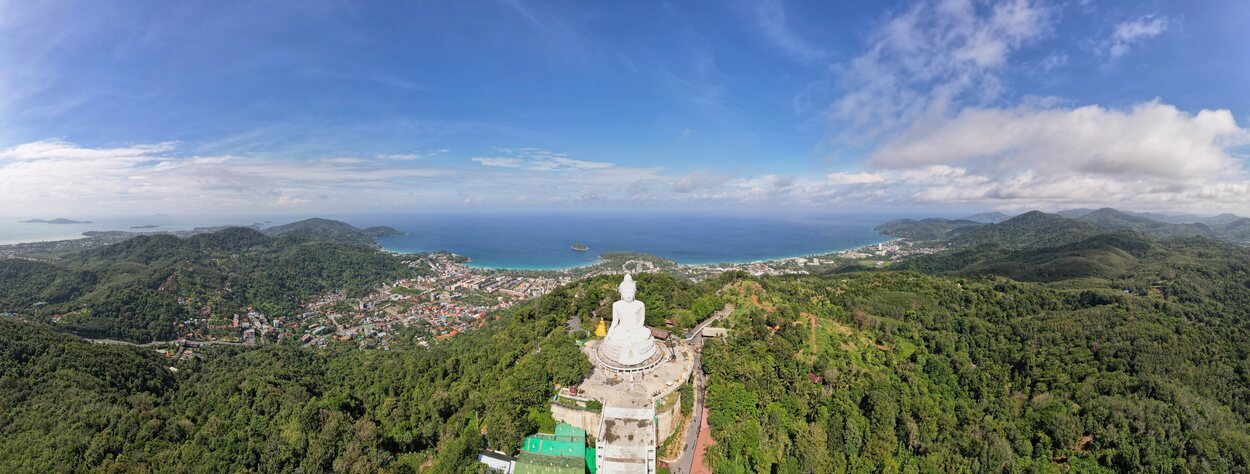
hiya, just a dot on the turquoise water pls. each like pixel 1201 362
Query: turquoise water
pixel 543 241
pixel 13 231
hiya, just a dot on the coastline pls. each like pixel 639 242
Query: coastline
pixel 599 259
pixel 41 240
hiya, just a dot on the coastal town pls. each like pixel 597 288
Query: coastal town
pixel 452 297
pixel 444 295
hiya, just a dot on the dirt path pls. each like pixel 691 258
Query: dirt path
pixel 815 346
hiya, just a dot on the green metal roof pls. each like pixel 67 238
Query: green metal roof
pixel 552 445
pixel 559 453
pixel 534 463
pixel 565 429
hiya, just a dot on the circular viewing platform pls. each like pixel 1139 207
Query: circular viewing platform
pixel 643 383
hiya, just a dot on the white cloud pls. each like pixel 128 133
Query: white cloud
pixel 536 159
pixel 856 178
pixel 1052 61
pixel 57 149
pixel 700 179
pixel 50 176
pixel 1151 155
pixel 1129 33
pixel 501 162
pixel 771 18
pixel 929 59
pixel 1152 139
pixel 928 104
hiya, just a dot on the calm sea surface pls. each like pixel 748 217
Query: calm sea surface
pixel 13 231
pixel 543 241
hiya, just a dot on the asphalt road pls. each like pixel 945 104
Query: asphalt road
pixel 685 463
pixel 160 343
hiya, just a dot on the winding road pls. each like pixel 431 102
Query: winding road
pixel 161 343
pixel 685 462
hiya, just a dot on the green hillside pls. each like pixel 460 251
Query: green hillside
pixel 332 231
pixel 927 229
pixel 1112 219
pixel 25 284
pixel 67 405
pixel 1115 352
pixel 989 217
pixel 1101 256
pixel 131 290
pixel 902 372
pixel 1038 229
pixel 1032 229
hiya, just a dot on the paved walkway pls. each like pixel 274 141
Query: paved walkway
pixel 700 450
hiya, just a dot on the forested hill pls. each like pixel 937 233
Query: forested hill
pixel 1137 361
pixel 67 405
pixel 928 229
pixel 1128 354
pixel 1031 229
pixel 131 290
pixel 902 372
pixel 1038 229
pixel 332 230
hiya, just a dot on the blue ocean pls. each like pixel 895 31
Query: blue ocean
pixel 12 230
pixel 544 241
pixel 531 240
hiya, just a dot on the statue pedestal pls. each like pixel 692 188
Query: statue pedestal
pixel 607 357
pixel 628 351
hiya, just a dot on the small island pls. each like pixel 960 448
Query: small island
pixel 59 220
pixel 145 226
pixel 580 247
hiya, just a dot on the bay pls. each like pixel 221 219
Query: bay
pixel 544 240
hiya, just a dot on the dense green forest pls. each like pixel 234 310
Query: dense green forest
pixel 332 231
pixel 928 229
pixel 1115 352
pixel 1131 355
pixel 1038 229
pixel 285 409
pixel 137 289
pixel 69 405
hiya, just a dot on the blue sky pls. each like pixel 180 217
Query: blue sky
pixel 304 106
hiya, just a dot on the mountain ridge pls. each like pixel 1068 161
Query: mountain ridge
pixel 332 230
pixel 1069 225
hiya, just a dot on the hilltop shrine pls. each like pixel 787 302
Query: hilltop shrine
pixel 630 402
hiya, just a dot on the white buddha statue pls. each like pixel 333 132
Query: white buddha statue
pixel 628 342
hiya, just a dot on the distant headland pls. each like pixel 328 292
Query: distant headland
pixel 59 220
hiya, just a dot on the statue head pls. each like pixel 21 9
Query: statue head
pixel 628 288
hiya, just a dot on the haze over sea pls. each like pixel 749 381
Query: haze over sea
pixel 544 240
pixel 13 231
